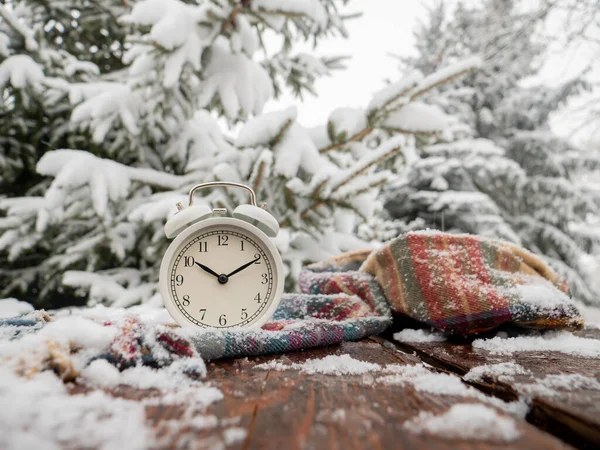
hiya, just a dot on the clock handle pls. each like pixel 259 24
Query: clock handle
pixel 213 184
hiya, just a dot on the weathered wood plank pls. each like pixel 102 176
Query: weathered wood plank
pixel 571 414
pixel 291 409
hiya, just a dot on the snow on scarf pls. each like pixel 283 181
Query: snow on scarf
pixel 458 284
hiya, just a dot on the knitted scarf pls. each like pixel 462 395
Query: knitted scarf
pixel 458 284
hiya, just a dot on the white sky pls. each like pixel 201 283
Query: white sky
pixel 385 27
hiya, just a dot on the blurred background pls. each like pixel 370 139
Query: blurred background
pixel 355 121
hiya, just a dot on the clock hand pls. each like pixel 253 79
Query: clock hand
pixel 239 269
pixel 207 269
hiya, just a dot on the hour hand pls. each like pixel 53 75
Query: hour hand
pixel 207 269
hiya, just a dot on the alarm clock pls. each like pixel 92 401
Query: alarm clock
pixel 221 271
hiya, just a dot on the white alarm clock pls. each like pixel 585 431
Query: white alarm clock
pixel 221 271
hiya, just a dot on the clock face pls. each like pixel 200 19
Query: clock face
pixel 222 276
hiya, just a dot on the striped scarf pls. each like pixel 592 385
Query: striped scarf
pixel 458 284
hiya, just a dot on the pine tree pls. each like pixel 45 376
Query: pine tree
pixel 134 119
pixel 504 174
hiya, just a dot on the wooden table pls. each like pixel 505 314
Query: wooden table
pixel 295 410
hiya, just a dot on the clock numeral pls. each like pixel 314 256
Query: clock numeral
pixel 244 314
pixel 265 278
pixel 257 257
pixel 203 312
pixel 223 238
pixel 257 298
pixel 222 319
pixel 188 261
pixel 186 300
pixel 242 243
pixel 179 280
pixel 203 246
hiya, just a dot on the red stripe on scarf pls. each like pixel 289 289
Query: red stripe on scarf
pixel 420 260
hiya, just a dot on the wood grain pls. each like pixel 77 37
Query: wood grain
pixel 293 410
pixel 571 414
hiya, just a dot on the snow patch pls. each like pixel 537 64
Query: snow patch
pixel 233 435
pixel 553 385
pixel 312 9
pixel 501 372
pixel 42 414
pixel 11 307
pixel 329 365
pixel 467 422
pixel 423 380
pixel 263 129
pixel 554 341
pixel 417 117
pixel 20 71
pixel 409 335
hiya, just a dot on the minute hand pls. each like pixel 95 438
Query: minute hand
pixel 239 269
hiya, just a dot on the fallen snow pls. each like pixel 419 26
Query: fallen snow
pixel 312 9
pixel 329 365
pixel 502 372
pixel 263 129
pixel 417 376
pixel 424 380
pixel 20 71
pixel 11 307
pixel 466 421
pixel 43 412
pixel 409 335
pixel 394 91
pixel 543 295
pixel 43 415
pixel 417 117
pixel 554 341
pixel 553 385
pixel 233 435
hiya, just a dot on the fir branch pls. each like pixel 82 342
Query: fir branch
pixel 356 137
pixel 425 89
pixel 375 162
pixel 282 131
pixel 30 42
pixel 259 176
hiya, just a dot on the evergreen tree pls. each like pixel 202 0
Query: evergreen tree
pixel 504 174
pixel 121 124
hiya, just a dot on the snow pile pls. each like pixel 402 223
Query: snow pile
pixel 417 117
pixel 42 414
pixel 553 385
pixel 418 377
pixel 310 8
pixel 467 422
pixel 543 295
pixel 242 84
pixel 555 341
pixel 329 365
pixel 37 361
pixel 501 372
pixel 20 71
pixel 394 91
pixel 409 335
pixel 173 383
pixel 423 380
pixel 11 307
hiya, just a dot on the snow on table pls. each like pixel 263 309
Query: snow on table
pixel 353 395
pixel 556 373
